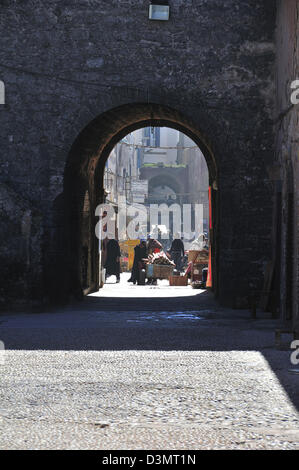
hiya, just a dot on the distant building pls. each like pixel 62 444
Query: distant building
pixel 156 165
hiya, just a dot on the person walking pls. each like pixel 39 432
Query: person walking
pixel 140 253
pixel 177 251
pixel 112 262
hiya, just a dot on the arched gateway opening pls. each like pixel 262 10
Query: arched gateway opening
pixel 84 187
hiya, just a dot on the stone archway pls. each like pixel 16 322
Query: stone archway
pixel 84 173
pixel 175 179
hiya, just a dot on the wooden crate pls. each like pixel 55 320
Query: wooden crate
pixel 192 255
pixel 198 256
pixel 178 280
pixel 158 271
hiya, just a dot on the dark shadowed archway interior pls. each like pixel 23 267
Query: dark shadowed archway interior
pixel 84 189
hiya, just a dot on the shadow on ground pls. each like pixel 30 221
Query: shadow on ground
pixel 195 323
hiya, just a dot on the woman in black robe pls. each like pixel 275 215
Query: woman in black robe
pixel 112 264
pixel 140 252
pixel 177 252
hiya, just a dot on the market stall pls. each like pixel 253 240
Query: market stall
pixel 159 266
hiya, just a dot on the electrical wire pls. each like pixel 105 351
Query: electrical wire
pixel 157 148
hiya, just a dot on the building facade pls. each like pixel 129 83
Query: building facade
pixel 94 72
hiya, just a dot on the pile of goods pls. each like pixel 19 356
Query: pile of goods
pixel 160 258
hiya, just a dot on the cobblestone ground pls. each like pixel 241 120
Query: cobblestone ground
pixel 171 370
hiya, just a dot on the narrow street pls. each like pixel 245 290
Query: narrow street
pixel 168 370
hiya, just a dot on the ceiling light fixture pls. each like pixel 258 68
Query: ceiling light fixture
pixel 159 12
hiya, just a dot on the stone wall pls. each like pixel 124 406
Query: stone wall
pixel 66 63
pixel 287 141
pixel 21 232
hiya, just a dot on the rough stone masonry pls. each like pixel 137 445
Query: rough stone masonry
pixel 64 64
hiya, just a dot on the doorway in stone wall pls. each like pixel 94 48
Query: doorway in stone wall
pixel 156 180
pixel 86 184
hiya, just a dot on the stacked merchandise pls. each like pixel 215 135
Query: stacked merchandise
pixel 159 266
pixel 160 258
